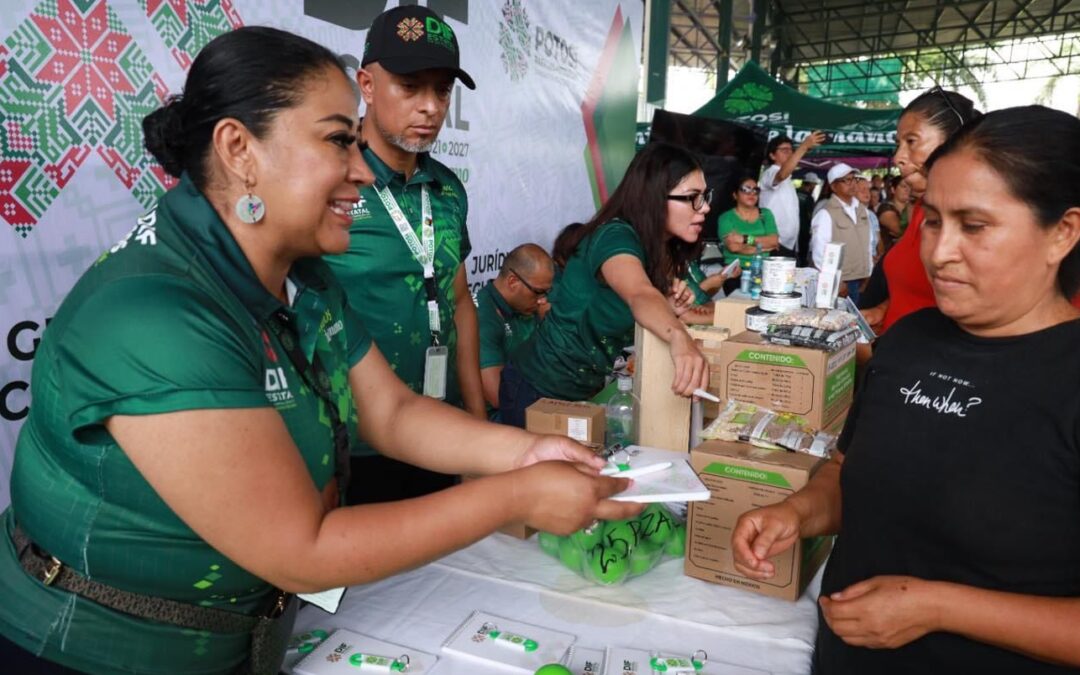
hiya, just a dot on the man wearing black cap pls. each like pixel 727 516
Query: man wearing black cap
pixel 403 271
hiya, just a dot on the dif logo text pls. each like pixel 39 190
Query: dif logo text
pixel 22 341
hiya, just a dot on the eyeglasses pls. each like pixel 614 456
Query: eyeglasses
pixel 941 92
pixel 538 292
pixel 697 200
pixel 749 190
pixel 850 178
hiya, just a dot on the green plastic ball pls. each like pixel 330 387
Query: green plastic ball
pixel 608 565
pixel 676 544
pixel 571 555
pixel 657 524
pixel 588 537
pixel 621 534
pixel 644 557
pixel 549 543
pixel 553 669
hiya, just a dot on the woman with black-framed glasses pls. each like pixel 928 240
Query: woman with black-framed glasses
pixel 747 228
pixel 620 270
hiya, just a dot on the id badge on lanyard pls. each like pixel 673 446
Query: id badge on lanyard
pixel 423 251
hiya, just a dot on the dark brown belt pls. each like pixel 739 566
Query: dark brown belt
pixel 51 572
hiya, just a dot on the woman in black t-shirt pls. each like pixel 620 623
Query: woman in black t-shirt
pixel 956 496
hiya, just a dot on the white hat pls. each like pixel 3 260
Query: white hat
pixel 811 177
pixel 838 171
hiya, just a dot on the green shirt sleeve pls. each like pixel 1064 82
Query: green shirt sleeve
pixel 725 225
pixel 359 339
pixel 466 243
pixel 182 351
pixel 612 239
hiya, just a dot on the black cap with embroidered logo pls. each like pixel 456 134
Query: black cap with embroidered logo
pixel 411 38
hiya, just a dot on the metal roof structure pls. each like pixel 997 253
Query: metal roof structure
pixel 882 44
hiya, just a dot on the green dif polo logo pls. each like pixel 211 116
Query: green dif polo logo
pixel 144 233
pixel 329 327
pixel 276 385
pixel 360 211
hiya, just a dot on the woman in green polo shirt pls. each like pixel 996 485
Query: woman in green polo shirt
pixel 197 388
pixel 747 228
pixel 620 269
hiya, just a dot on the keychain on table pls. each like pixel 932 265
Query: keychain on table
pixel 380 664
pixel 677 664
pixel 619 457
pixel 305 643
pixel 511 640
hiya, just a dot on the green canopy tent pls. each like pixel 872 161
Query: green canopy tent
pixel 754 98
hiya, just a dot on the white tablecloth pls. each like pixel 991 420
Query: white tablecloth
pixel 662 609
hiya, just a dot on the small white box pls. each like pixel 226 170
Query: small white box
pixel 828 286
pixel 340 653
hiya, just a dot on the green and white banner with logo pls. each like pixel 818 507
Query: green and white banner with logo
pixel 545 136
pixel 754 98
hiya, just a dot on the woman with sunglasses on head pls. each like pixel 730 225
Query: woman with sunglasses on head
pixel 955 495
pixel 620 270
pixel 195 395
pixel 926 123
pixel 746 229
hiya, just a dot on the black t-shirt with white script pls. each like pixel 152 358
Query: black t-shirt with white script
pixel 962 464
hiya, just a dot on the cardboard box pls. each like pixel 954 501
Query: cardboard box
pixel 730 313
pixel 742 477
pixel 583 422
pixel 709 340
pixel 816 385
pixel 663 419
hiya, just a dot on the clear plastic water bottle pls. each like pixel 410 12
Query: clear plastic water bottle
pixel 746 279
pixel 621 410
pixel 757 262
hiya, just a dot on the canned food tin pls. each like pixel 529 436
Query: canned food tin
pixel 778 275
pixel 780 302
pixel 757 319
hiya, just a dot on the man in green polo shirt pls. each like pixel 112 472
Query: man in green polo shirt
pixel 507 307
pixel 404 271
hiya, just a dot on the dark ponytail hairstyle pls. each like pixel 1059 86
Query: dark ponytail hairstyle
pixel 248 74
pixel 1045 176
pixel 641 200
pixel 946 110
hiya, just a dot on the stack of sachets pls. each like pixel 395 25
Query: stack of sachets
pixel 826 329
